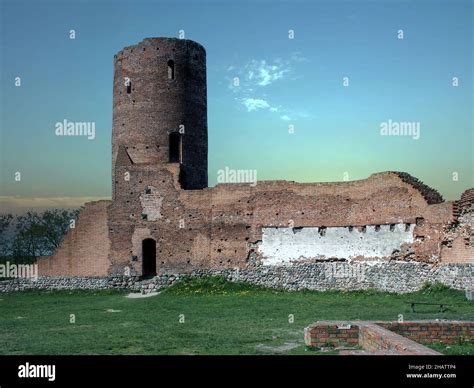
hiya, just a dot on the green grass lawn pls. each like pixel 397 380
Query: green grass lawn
pixel 219 318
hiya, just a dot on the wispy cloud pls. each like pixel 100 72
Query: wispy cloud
pixel 258 73
pixel 263 74
pixel 251 80
pixel 255 104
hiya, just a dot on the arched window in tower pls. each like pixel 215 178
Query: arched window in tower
pixel 129 86
pixel 175 147
pixel 170 69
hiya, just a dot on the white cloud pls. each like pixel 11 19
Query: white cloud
pixel 249 82
pixel 255 104
pixel 261 73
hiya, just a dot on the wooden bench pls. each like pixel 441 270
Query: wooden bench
pixel 442 306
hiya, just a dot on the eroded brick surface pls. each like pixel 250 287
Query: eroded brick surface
pixel 84 251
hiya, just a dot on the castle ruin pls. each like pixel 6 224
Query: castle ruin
pixel 163 218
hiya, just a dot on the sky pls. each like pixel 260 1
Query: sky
pixel 318 80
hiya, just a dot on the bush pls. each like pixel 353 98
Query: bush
pixel 434 288
pixel 210 285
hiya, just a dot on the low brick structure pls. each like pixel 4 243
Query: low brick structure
pixel 375 338
pixel 397 338
pixel 332 333
pixel 432 331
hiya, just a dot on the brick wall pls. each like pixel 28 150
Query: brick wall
pixel 467 199
pixel 405 338
pixel 459 251
pixel 326 333
pixel 85 249
pixel 458 243
pixel 375 338
pixel 429 332
pixel 221 227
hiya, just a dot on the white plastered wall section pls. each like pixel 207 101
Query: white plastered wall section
pixel 286 245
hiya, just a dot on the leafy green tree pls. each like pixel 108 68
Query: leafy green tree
pixel 39 234
pixel 5 221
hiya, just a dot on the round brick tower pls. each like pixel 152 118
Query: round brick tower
pixel 160 107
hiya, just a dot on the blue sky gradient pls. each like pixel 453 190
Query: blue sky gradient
pixel 283 82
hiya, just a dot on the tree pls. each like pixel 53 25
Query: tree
pixel 5 220
pixel 39 234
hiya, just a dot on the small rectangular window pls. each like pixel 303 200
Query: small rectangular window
pixel 170 69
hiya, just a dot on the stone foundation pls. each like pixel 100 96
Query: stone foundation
pixel 400 277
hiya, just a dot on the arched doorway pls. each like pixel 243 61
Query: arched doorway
pixel 148 257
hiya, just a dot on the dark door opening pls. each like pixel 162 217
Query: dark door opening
pixel 175 147
pixel 149 257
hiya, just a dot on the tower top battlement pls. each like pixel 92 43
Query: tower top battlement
pixel 161 45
